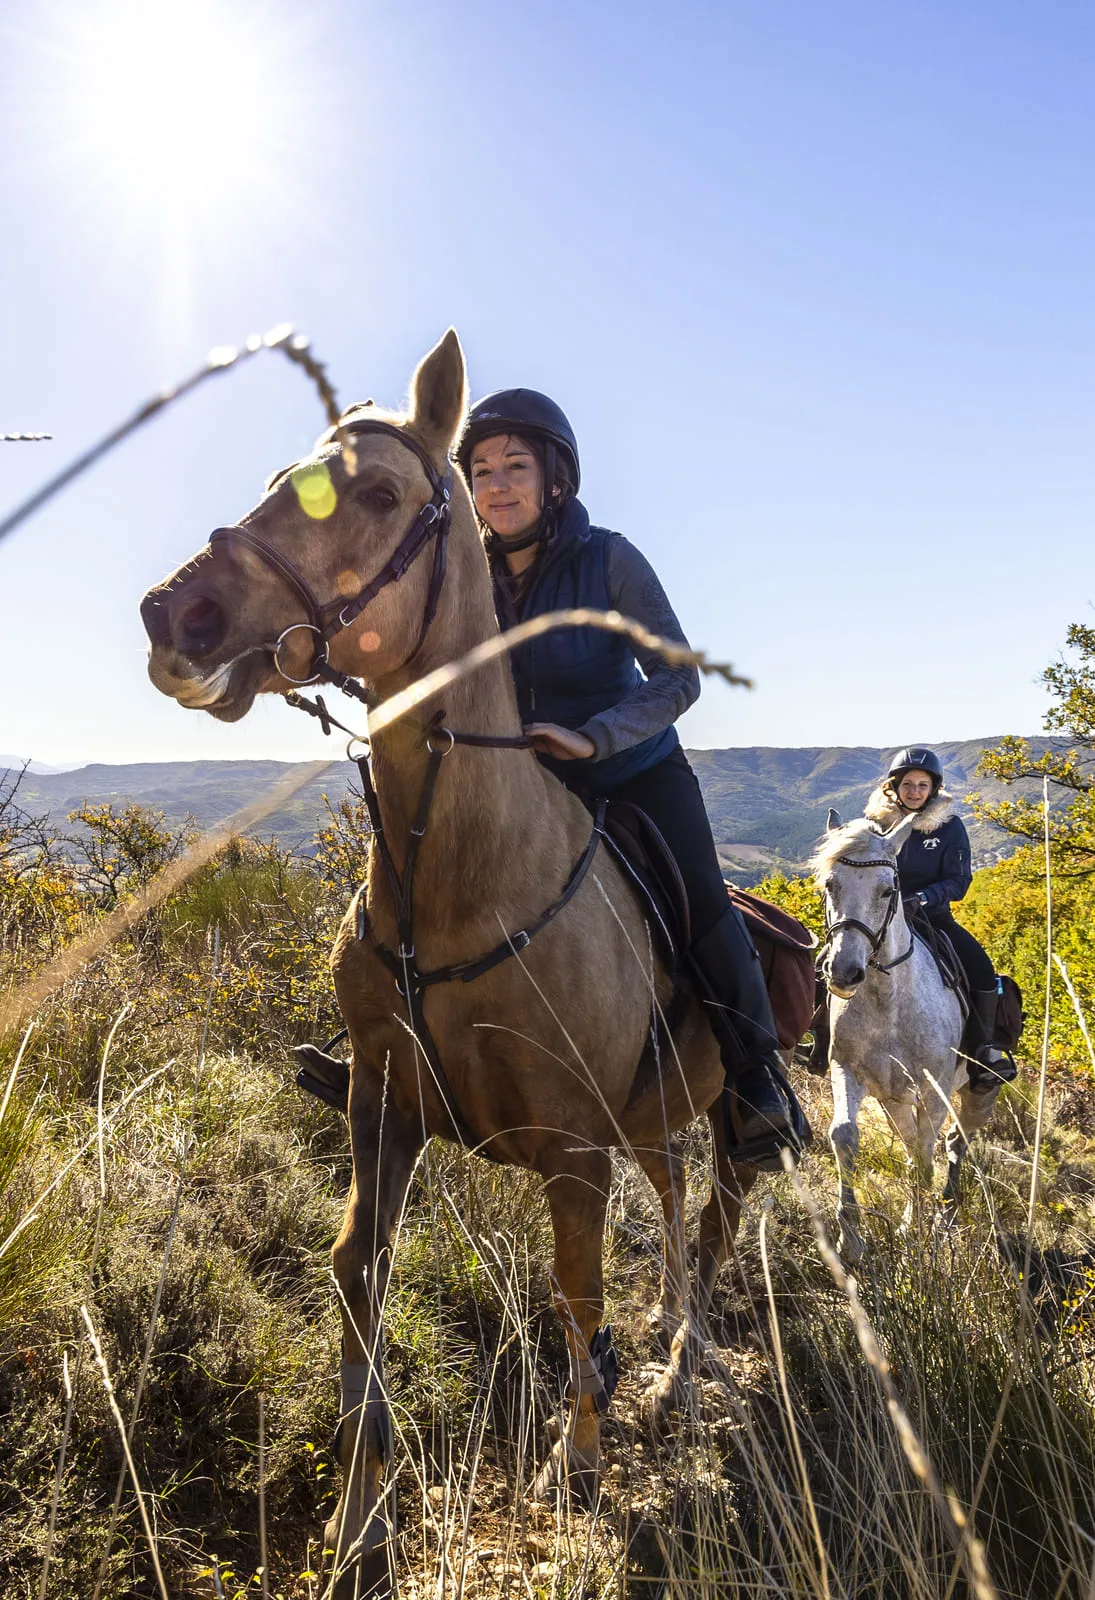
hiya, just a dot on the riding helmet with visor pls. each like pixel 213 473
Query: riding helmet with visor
pixel 916 758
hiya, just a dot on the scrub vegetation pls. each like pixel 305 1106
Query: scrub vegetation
pixel 924 1432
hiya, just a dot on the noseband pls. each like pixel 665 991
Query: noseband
pixel 325 619
pixel 875 937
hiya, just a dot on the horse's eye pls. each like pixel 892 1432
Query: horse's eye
pixel 377 498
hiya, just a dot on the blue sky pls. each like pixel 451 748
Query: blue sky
pixel 813 281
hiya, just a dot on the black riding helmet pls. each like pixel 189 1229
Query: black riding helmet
pixel 532 415
pixel 916 758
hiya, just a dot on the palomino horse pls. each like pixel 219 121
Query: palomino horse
pixel 895 1026
pixel 542 1061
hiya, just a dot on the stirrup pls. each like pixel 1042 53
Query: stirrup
pixel 985 1076
pixel 323 1075
pixel 805 1056
pixel 764 1151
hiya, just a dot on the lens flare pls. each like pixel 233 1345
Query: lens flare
pixel 315 491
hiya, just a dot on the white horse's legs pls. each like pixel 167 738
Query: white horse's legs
pixel 848 1096
pixel 919 1127
pixel 974 1110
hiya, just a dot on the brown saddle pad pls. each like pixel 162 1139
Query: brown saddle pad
pixel 786 949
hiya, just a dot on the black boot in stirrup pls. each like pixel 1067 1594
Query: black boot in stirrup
pixel 986 1066
pixel 761 1113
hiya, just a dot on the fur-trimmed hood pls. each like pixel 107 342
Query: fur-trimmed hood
pixel 884 809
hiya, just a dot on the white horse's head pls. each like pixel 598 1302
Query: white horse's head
pixel 855 866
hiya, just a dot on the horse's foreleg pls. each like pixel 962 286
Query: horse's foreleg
pixel 664 1166
pixel 848 1097
pixel 919 1123
pixel 578 1198
pixel 384 1150
pixel 974 1110
pixel 718 1229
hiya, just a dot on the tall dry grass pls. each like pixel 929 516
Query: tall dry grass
pixel 953 1456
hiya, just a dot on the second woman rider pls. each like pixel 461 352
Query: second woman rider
pixel 604 726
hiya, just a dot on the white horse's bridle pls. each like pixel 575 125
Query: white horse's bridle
pixel 875 937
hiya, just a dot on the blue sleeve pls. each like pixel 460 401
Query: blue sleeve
pixel 665 692
pixel 955 871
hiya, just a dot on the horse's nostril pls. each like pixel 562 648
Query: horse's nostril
pixel 200 626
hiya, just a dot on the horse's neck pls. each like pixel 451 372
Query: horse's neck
pixel 490 807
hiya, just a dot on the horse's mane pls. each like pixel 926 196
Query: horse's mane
pixel 860 839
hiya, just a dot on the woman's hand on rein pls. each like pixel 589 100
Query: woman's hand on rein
pixel 548 739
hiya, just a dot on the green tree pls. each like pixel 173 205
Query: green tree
pixel 1070 768
pixel 124 848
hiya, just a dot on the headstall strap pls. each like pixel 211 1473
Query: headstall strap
pixel 874 937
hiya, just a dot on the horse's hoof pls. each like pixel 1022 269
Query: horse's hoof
pixel 364 1570
pixel 566 1472
pixel 666 1397
pixel 661 1325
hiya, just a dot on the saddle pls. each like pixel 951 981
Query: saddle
pixel 943 952
pixel 784 945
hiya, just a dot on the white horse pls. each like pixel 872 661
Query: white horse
pixel 895 1026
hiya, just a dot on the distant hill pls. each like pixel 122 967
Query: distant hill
pixel 767 806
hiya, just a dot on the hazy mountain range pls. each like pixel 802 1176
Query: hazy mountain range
pixel 767 806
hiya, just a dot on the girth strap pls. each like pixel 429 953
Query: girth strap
pixel 512 944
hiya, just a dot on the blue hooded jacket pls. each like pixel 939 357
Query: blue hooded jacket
pixel 571 675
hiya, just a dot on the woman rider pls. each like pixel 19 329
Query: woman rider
pixel 605 727
pixel 933 868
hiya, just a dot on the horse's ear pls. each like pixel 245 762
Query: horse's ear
pixel 832 821
pixel 439 393
pixel 896 836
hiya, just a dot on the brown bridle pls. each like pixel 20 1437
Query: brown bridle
pixel 326 618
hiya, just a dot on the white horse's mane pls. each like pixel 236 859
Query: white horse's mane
pixel 859 839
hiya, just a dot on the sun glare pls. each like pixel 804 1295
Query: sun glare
pixel 176 105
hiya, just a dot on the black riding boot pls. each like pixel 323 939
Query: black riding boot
pixel 986 1066
pixel 761 1113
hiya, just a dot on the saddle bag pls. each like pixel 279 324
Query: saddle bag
pixel 786 949
pixel 1009 1013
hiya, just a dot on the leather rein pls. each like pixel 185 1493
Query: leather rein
pixel 324 621
pixel 875 937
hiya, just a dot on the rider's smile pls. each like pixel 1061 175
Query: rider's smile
pixel 507 483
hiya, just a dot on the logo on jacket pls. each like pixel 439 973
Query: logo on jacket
pixel 931 844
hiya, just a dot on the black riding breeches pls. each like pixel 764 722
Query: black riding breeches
pixel 669 793
pixel 975 963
